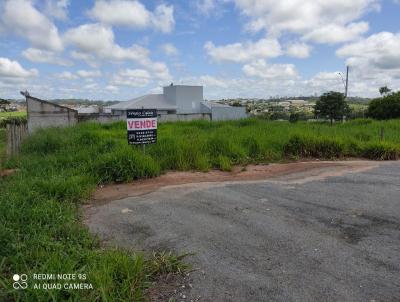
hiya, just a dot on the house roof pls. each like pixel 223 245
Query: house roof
pixel 149 101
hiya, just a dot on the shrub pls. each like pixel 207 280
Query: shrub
pixel 44 142
pixel 124 165
pixel 253 147
pixel 385 108
pixel 220 144
pixel 12 120
pixel 381 151
pixel 224 163
pixel 294 117
pixel 303 146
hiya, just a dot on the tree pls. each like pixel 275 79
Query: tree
pixel 384 108
pixel 4 103
pixel 384 90
pixel 294 117
pixel 331 105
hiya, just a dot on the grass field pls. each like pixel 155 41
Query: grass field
pixel 40 229
pixel 12 114
pixel 2 145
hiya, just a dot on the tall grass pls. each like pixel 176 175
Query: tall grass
pixel 2 145
pixel 40 229
pixel 12 114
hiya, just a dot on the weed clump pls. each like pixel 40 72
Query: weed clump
pixel 125 165
pixel 321 147
pixel 381 151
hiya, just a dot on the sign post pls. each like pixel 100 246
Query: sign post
pixel 142 126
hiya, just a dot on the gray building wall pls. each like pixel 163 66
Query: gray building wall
pixel 102 118
pixel 184 117
pixel 170 94
pixel 43 114
pixel 186 98
pixel 228 113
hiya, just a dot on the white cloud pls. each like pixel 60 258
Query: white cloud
pixel 133 14
pixel 97 39
pixel 66 75
pixel 239 52
pixel 206 6
pixel 23 19
pixel 325 81
pixel 169 49
pixel 132 78
pixel 261 69
pixel 216 87
pixel 57 9
pixel 163 18
pixel 298 50
pixel 85 74
pixel 87 57
pixel 112 88
pixel 88 73
pixel 374 61
pixel 304 17
pixel 91 86
pixel 155 71
pixel 210 81
pixel 379 51
pixel 159 71
pixel 44 56
pixel 333 33
pixel 13 71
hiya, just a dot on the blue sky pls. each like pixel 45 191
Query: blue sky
pixel 120 49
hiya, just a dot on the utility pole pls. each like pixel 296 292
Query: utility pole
pixel 345 81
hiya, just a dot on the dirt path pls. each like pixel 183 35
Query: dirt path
pixel 299 171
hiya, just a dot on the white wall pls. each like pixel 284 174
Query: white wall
pixel 228 113
pixel 186 98
pixel 42 114
pixel 184 117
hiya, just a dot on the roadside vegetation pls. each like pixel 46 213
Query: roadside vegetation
pixel 41 229
pixel 2 145
pixel 12 114
pixel 387 107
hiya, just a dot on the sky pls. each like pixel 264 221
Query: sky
pixel 121 49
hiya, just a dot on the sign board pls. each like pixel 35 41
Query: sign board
pixel 142 126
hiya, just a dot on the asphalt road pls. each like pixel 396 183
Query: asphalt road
pixel 295 238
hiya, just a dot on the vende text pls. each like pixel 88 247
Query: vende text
pixel 143 124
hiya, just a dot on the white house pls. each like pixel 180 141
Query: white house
pixel 180 102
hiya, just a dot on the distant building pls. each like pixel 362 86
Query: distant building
pixel 285 105
pixel 297 102
pixel 180 102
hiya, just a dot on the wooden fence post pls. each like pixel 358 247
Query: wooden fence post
pixel 16 133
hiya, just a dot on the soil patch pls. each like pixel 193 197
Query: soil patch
pixel 292 172
pixel 7 172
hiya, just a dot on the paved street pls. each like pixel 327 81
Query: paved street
pixel 297 237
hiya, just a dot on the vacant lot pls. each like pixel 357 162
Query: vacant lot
pixel 329 232
pixel 40 228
